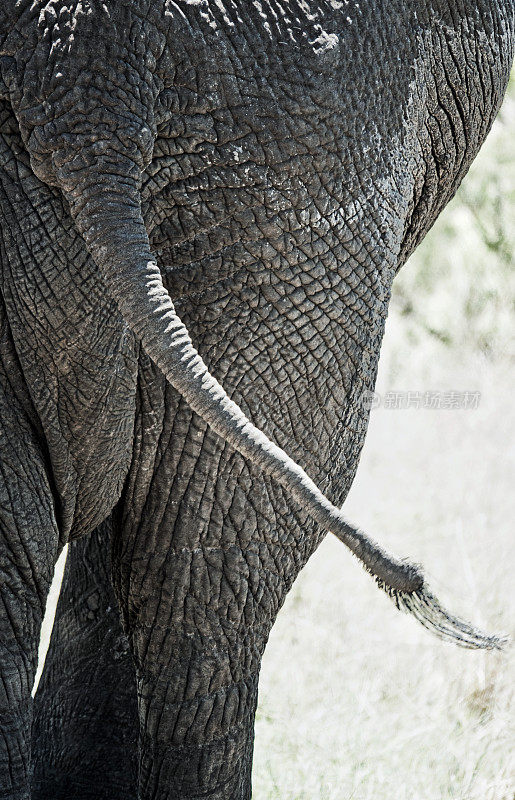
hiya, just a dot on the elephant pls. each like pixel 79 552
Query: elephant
pixel 204 205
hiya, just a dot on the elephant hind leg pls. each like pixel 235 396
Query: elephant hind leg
pixel 29 548
pixel 85 720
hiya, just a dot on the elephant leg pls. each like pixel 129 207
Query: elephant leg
pixel 197 691
pixel 85 719
pixel 29 548
pixel 205 550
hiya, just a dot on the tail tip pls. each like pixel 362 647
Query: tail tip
pixel 425 607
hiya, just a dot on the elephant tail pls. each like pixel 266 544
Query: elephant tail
pixel 426 608
pixel 405 585
pixel 112 226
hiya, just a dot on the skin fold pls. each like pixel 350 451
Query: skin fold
pixel 268 168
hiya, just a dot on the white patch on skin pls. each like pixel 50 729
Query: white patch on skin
pixel 226 17
pixel 262 14
pixel 325 41
pixel 406 159
pixel 171 8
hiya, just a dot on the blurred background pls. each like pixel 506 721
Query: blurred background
pixel 356 700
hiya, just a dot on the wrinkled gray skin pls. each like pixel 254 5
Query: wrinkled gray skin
pixel 287 159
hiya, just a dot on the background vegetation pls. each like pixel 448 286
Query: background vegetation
pixel 356 700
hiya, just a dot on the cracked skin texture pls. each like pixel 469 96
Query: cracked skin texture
pixel 290 157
